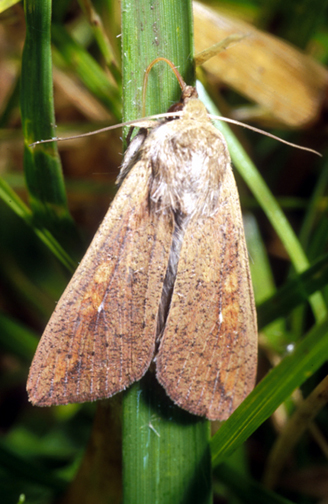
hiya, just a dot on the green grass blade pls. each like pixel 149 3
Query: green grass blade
pixel 101 37
pixel 5 4
pixel 294 292
pixel 17 339
pixel 42 165
pixel 314 206
pixel 12 462
pixel 262 277
pixel 166 456
pixel 277 386
pixel 248 490
pixel 165 450
pixel 11 104
pixel 19 207
pixel 87 69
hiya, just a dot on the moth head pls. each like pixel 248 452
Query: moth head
pixel 188 92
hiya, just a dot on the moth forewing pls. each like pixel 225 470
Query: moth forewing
pixel 165 279
pixel 208 353
pixel 101 336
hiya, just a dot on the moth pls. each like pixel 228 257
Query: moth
pixel 165 281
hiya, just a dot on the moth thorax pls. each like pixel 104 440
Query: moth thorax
pixel 188 161
pixel 194 109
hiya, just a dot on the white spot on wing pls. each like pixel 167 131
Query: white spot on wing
pixel 101 307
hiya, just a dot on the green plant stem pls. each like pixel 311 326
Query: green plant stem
pixel 165 450
pixel 42 166
pixel 101 37
pixel 274 389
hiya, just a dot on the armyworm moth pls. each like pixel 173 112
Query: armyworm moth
pixel 165 280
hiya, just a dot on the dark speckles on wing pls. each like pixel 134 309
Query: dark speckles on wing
pixel 104 321
pixel 102 334
pixel 207 357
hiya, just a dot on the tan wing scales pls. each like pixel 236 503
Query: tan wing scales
pixel 101 335
pixel 207 357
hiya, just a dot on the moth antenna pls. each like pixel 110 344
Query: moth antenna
pixel 164 115
pixel 150 66
pixel 128 123
pixel 106 128
pixel 262 132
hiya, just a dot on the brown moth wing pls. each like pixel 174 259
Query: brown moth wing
pixel 207 357
pixel 101 335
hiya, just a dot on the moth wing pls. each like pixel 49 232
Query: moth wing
pixel 208 353
pixel 101 335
